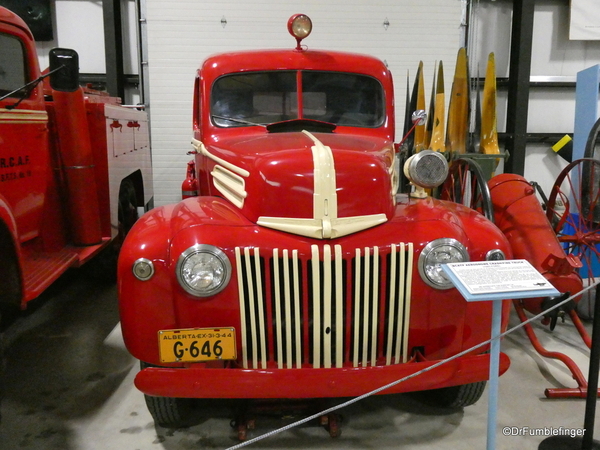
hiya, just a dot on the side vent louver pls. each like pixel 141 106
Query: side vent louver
pixel 231 185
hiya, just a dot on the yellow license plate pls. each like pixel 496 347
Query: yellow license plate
pixel 196 344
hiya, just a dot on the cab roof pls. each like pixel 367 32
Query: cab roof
pixel 265 60
pixel 9 17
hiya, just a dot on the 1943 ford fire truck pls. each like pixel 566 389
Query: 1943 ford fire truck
pixel 75 167
pixel 298 271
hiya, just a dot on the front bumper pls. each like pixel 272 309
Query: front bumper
pixel 198 382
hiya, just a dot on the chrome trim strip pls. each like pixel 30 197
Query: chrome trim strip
pixel 200 148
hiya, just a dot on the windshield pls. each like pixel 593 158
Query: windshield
pixel 344 99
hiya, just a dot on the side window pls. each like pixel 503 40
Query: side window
pixel 13 72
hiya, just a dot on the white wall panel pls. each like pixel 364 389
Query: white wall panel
pixel 79 24
pixel 181 34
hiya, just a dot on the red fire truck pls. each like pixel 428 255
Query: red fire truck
pixel 299 271
pixel 75 167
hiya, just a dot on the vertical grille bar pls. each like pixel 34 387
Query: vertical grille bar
pixel 289 357
pixel 242 297
pixel 252 305
pixel 326 301
pixel 392 280
pixel 260 303
pixel 339 307
pixel 316 286
pixel 297 316
pixel 287 317
pixel 278 319
pixel 366 306
pixel 373 282
pixel 357 307
pixel 408 278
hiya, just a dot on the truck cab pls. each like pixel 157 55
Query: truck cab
pixel 299 271
pixel 75 167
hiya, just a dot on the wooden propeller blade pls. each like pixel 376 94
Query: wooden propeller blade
pixel 420 104
pixel 437 141
pixel 458 111
pixel 408 109
pixel 430 116
pixel 489 131
pixel 474 136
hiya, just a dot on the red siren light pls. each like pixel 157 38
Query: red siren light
pixel 300 27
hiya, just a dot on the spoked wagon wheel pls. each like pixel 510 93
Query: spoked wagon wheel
pixel 466 185
pixel 574 211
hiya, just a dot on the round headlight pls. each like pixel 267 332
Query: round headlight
pixel 203 270
pixel 440 251
pixel 427 169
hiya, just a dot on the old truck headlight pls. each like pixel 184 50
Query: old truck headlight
pixel 440 251
pixel 203 270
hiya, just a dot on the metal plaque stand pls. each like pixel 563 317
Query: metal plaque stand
pixel 497 291
pixel 587 442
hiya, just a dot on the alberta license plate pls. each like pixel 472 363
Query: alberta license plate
pixel 196 344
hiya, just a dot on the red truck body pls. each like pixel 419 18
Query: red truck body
pixel 65 159
pixel 298 271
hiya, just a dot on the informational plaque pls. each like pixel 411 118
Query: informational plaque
pixel 490 280
pixel 585 20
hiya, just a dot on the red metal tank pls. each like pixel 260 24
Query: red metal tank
pixel 78 164
pixel 520 216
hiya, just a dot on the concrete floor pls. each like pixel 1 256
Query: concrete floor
pixel 69 385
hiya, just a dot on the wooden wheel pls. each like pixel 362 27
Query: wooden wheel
pixel 574 211
pixel 467 185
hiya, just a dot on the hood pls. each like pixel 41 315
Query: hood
pixel 319 185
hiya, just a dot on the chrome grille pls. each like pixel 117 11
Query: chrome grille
pixel 326 308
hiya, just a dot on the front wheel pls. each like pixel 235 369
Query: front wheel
pixel 170 412
pixel 456 396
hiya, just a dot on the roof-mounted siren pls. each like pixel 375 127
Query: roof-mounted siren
pixel 300 27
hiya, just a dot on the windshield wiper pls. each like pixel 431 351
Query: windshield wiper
pixel 245 122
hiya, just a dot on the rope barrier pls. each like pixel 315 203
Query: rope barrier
pixel 408 377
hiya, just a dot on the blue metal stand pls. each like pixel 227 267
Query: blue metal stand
pixel 494 369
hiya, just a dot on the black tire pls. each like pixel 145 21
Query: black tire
pixel 128 214
pixel 171 412
pixel 104 266
pixel 457 396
